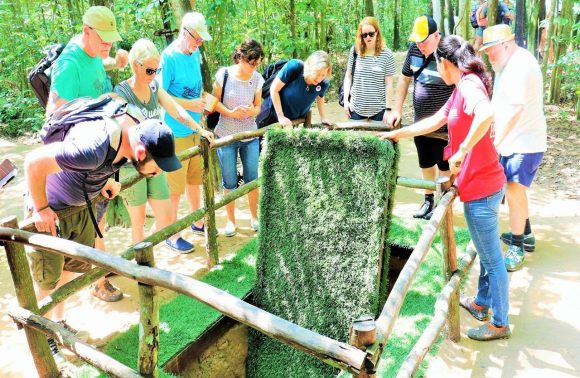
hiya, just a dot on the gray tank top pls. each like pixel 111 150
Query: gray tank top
pixel 151 109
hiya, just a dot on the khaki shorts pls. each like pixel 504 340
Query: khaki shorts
pixel 47 267
pixel 191 170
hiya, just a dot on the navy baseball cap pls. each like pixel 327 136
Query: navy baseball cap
pixel 158 140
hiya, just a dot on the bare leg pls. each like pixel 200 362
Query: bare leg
pixel 193 193
pixel 162 211
pixel 137 214
pixel 100 245
pixel 518 206
pixel 253 203
pixel 174 200
pixel 231 209
pixel 57 313
pixel 429 174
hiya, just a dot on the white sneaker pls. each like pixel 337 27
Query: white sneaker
pixel 255 224
pixel 230 229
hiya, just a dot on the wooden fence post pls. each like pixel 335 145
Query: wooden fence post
pixel 43 360
pixel 308 119
pixel 211 246
pixel 362 333
pixel 449 261
pixel 148 316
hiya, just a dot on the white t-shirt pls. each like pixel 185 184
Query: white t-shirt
pixel 520 83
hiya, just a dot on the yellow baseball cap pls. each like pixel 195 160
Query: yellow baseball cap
pixel 102 20
pixel 423 27
pixel 496 34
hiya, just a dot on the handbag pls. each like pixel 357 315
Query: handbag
pixel 212 119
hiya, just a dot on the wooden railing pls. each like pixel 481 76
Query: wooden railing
pixel 361 360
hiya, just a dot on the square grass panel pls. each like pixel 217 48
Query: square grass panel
pixel 325 209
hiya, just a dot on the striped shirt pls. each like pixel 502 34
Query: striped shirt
pixel 368 88
pixel 430 92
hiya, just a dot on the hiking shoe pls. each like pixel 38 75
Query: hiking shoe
pixel 81 335
pixel 107 292
pixel 198 230
pixel 425 209
pixel 489 332
pixel 469 304
pixel 55 351
pixel 180 245
pixel 255 224
pixel 428 215
pixel 230 229
pixel 514 258
pixel 529 240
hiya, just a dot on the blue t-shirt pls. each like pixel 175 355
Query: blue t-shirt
pixel 297 96
pixel 181 77
pixel 81 156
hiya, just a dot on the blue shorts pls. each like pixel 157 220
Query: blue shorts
pixel 479 31
pixel 521 168
pixel 228 156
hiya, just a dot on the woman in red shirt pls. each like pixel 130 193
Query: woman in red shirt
pixel 480 178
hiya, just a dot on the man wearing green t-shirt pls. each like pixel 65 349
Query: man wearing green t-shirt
pixel 80 71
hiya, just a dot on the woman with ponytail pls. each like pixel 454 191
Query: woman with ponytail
pixel 480 178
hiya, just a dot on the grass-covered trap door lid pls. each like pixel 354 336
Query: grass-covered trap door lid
pixel 325 208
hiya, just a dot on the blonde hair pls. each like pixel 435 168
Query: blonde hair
pixel 142 49
pixel 316 62
pixel 360 43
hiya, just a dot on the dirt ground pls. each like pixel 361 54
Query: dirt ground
pixel 543 295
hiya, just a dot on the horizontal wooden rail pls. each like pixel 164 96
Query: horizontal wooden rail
pixel 66 338
pixel 416 183
pixel 392 307
pixel 431 333
pixel 334 353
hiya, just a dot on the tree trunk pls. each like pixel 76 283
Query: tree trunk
pixel 561 45
pixel 492 13
pixel 369 10
pixel 463 27
pixel 551 33
pixel 437 14
pixel 292 20
pixel 450 17
pixel 165 12
pixel 396 35
pixel 521 23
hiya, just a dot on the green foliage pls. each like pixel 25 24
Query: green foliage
pixel 325 208
pixel 184 319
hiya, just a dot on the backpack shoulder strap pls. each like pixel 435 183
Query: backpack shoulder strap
pixel 224 84
pixel 354 56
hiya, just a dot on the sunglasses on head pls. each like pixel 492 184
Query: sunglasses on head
pixel 369 34
pixel 150 71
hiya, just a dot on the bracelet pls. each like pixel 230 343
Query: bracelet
pixel 42 208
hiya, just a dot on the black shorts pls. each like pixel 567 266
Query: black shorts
pixel 430 152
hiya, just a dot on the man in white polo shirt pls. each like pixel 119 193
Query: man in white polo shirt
pixel 520 131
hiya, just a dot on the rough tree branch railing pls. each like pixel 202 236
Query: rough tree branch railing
pixel 392 307
pixel 431 333
pixel 330 351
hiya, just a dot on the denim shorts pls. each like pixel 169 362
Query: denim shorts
pixel 228 156
pixel 377 117
pixel 479 31
pixel 521 168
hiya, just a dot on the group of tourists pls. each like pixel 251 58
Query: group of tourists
pixel 483 121
pixel 157 115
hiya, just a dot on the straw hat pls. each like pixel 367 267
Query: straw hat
pixel 496 34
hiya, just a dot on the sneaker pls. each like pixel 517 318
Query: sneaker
pixel 425 209
pixel 55 351
pixel 468 303
pixel 529 240
pixel 489 332
pixel 180 245
pixel 230 229
pixel 255 224
pixel 198 230
pixel 107 292
pixel 81 335
pixel 240 179
pixel 428 215
pixel 514 258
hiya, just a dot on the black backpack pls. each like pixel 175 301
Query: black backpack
pixel 473 18
pixel 341 88
pixel 83 109
pixel 39 76
pixel 270 74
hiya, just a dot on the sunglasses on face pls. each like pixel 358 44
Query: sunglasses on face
pixel 150 71
pixel 198 40
pixel 369 34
